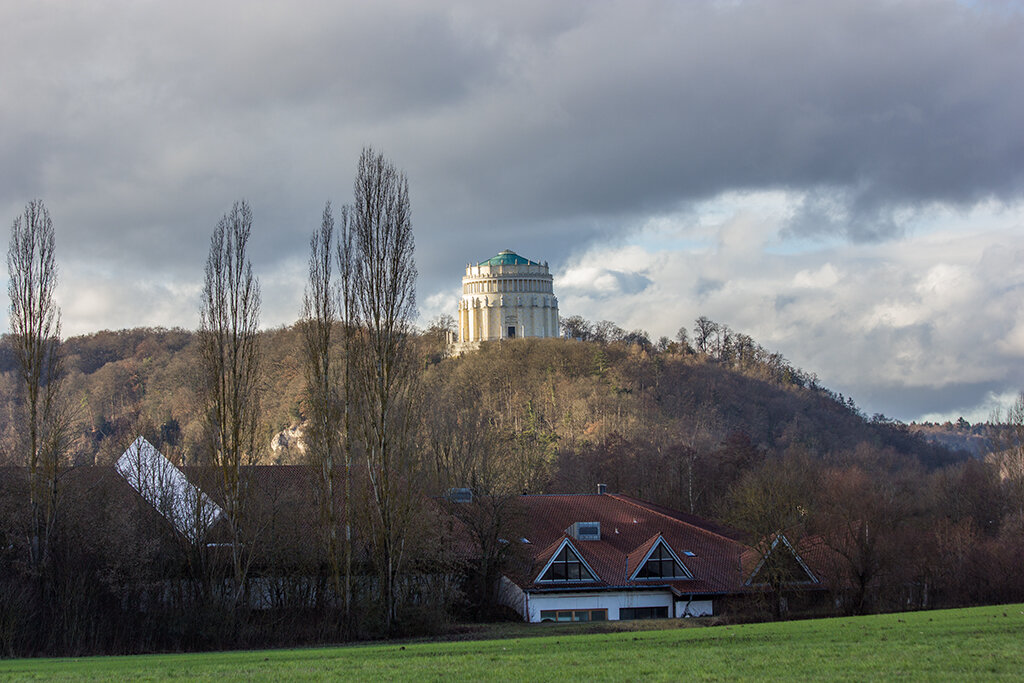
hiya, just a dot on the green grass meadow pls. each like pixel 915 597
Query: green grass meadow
pixel 984 642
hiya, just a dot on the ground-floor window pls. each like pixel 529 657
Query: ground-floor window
pixel 574 615
pixel 643 613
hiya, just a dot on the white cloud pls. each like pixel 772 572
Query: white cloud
pixel 91 301
pixel 924 311
pixel 821 278
pixel 991 406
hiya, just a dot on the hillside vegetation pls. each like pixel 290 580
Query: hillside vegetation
pixel 571 395
pixel 733 434
pixel 672 425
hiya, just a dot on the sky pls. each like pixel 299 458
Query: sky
pixel 843 180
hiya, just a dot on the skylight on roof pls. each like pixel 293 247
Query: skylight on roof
pixel 164 487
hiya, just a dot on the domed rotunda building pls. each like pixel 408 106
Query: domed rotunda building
pixel 506 297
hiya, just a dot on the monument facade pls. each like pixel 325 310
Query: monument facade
pixel 506 297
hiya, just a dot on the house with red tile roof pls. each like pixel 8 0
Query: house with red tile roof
pixel 607 557
pixel 585 557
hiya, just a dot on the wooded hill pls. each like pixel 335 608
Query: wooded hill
pixel 743 438
pixel 672 425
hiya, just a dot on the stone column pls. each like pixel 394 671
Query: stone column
pixel 474 320
pixel 486 320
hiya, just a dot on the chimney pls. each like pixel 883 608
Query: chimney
pixel 602 489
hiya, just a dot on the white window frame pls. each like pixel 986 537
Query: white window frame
pixel 640 565
pixel 579 556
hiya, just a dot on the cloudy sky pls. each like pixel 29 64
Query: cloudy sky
pixel 842 180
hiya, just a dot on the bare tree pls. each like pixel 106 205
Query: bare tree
pixel 323 434
pixel 684 340
pixel 863 520
pixel 442 328
pixel 606 332
pixel 229 344
pixel 704 331
pixel 35 335
pixel 328 389
pixel 723 350
pixel 770 502
pixel 1007 451
pixel 576 327
pixel 466 453
pixel 348 267
pixel 385 299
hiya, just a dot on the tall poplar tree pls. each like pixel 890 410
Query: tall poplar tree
pixel 229 344
pixel 35 336
pixel 328 304
pixel 384 371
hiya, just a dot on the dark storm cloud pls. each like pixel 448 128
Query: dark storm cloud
pixel 547 128
pixel 910 402
pixel 648 105
pixel 563 123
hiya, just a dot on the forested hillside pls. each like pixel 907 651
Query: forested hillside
pixel 667 426
pixel 571 407
pixel 737 436
pixel 668 423
pixel 977 439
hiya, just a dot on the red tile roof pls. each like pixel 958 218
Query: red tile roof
pixel 637 556
pixel 629 528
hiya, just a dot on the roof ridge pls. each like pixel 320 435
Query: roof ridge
pixel 552 495
pixel 636 502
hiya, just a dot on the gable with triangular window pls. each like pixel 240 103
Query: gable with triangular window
pixel 661 562
pixel 781 566
pixel 566 565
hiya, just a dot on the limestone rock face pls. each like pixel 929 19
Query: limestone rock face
pixel 289 445
pixel 506 297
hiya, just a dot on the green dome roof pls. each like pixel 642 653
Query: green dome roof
pixel 508 258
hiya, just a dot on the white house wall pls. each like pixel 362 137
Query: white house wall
pixel 694 608
pixel 511 595
pixel 612 601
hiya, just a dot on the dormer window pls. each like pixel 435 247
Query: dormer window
pixel 661 563
pixel 585 531
pixel 567 566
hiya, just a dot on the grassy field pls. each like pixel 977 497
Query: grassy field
pixel 985 642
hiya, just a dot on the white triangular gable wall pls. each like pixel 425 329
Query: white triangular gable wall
pixel 796 556
pixel 163 486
